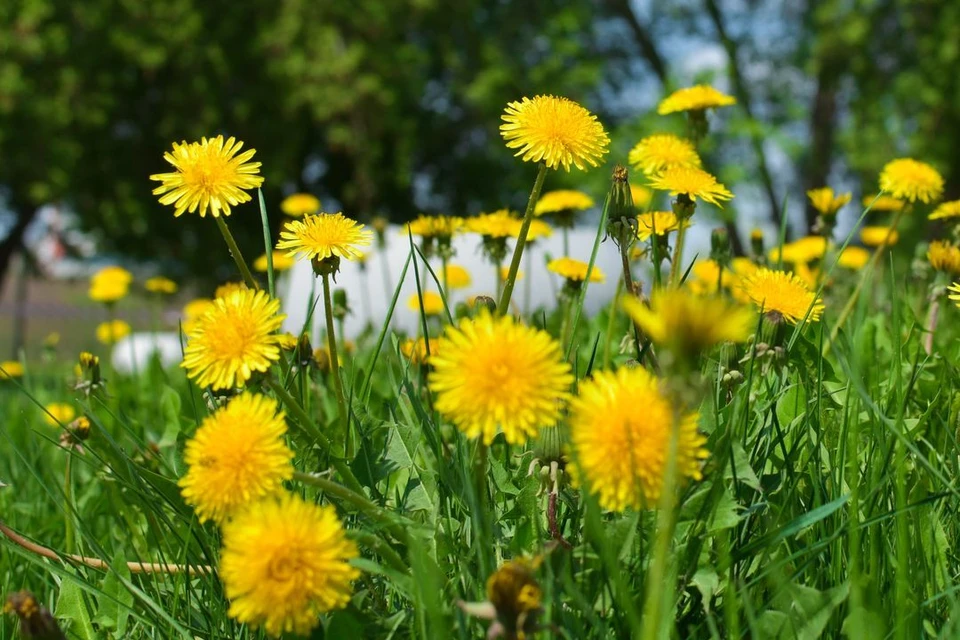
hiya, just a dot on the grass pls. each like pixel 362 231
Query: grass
pixel 828 506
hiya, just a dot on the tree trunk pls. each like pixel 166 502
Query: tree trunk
pixel 823 124
pixel 9 246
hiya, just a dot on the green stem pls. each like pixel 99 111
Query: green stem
pixel 313 432
pixel 853 511
pixel 235 253
pixel 675 268
pixel 480 478
pixel 379 546
pixel 365 506
pixel 334 356
pixel 68 500
pixel 852 300
pixel 521 241
pixel 267 243
pixel 610 323
pixel 566 241
pixel 660 584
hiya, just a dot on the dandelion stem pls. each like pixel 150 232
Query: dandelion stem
pixel 68 500
pixel 312 431
pixel 852 300
pixel 377 514
pixel 235 253
pixel 675 268
pixel 521 241
pixel 334 355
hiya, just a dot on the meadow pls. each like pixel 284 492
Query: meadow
pixel 761 445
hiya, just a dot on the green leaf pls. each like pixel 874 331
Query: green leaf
pixel 72 607
pixel 169 416
pixel 115 604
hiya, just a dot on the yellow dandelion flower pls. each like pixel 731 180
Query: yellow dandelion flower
pixel 954 292
pixel 783 294
pixel 499 224
pixel 809 276
pixel 300 204
pixel 505 271
pixel 109 284
pixel 708 278
pixel 853 258
pixel 687 323
pixel 284 562
pixel 697 97
pixel 944 256
pixel 801 251
pixel 58 413
pixel 555 131
pixel 573 269
pixel 911 180
pixel 881 202
pixel 324 235
pixel 416 350
pixel 826 202
pixel 876 236
pixel 562 200
pixel 287 341
pixel 237 456
pixel 538 229
pixel 655 153
pixel 434 226
pixel 112 331
pixel 658 222
pixel 619 452
pixel 281 262
pixel 159 284
pixel 457 277
pixel 493 374
pixel 743 266
pixel 515 595
pixel 234 338
pixel 692 182
pixel 10 369
pixel 209 176
pixel 946 210
pixel 193 311
pixel 641 196
pixel 227 288
pixel 432 303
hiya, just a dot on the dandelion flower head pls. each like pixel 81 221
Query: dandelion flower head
pixel 298 205
pixel 655 153
pixel 944 256
pixel 555 131
pixel 112 331
pixel 620 452
pixel 233 338
pixel 658 222
pixel 159 284
pixel 110 284
pixel 853 258
pixel 826 202
pixel 58 413
pixel 692 182
pixel 562 200
pixel 432 303
pixel 493 374
pixel 321 236
pixel 876 236
pixel 281 262
pixel 10 369
pixel 236 457
pixel 284 562
pixel 208 176
pixel 457 277
pixel 783 294
pixel 911 180
pixel 573 269
pixel 947 211
pixel 695 98
pixel 499 224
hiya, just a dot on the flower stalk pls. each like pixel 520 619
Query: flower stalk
pixel 511 280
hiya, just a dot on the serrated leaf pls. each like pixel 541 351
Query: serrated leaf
pixel 113 611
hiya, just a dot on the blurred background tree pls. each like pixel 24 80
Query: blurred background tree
pixel 392 106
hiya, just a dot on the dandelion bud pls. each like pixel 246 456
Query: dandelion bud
pixel 484 302
pixel 340 306
pixel 36 623
pixel 304 350
pixel 380 225
pixel 328 266
pixel 622 218
pixel 720 251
